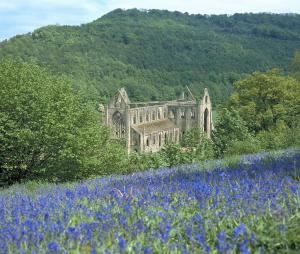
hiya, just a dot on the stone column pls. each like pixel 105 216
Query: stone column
pixel 188 118
pixel 142 141
pixel 128 118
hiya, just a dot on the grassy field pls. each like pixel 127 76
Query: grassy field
pixel 247 206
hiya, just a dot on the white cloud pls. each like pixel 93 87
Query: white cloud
pixel 19 16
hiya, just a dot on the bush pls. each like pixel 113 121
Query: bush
pixel 279 137
pixel 230 132
pixel 173 155
pixel 239 147
pixel 197 145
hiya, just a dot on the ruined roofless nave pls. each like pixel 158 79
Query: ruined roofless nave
pixel 145 126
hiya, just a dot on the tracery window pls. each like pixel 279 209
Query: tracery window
pixel 119 128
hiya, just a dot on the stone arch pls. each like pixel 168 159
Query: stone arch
pixel 182 113
pixel 206 120
pixel 193 114
pixel 206 99
pixel 171 114
pixel 119 127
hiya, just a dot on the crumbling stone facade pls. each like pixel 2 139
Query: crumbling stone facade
pixel 147 126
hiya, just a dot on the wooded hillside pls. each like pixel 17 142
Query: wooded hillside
pixel 155 53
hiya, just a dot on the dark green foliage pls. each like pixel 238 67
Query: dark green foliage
pixel 294 68
pixel 46 130
pixel 154 54
pixel 231 134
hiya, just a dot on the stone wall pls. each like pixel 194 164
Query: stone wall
pixel 147 126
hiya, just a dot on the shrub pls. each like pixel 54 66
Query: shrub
pixel 239 147
pixel 198 146
pixel 230 130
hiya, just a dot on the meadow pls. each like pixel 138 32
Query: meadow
pixel 251 205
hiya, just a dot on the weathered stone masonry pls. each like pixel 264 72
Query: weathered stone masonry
pixel 146 126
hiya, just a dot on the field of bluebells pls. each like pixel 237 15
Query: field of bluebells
pixel 252 206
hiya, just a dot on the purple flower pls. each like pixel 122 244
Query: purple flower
pixel 53 247
pixel 239 230
pixel 222 243
pixel 147 250
pixel 122 243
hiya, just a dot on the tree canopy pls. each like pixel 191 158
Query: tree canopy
pixel 265 100
pixel 294 68
pixel 45 128
pixel 154 53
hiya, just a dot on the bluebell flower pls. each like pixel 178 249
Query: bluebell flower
pixel 122 243
pixel 222 243
pixel 147 250
pixel 53 247
pixel 244 249
pixel 239 230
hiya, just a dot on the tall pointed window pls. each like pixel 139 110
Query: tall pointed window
pixel 118 125
pixel 206 122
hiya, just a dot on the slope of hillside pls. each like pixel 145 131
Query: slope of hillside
pixel 155 53
pixel 245 209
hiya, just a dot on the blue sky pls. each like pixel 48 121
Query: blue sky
pixel 22 16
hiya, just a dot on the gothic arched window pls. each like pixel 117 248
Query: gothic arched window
pixel 206 122
pixel 171 114
pixel 119 125
pixel 193 114
pixel 182 113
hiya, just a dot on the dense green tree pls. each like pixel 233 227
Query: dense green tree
pixel 265 100
pixel 294 68
pixel 231 132
pixel 46 130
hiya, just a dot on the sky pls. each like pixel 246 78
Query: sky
pixel 23 16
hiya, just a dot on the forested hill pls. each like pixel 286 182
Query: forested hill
pixel 155 53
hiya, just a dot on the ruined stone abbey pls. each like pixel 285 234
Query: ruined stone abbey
pixel 146 126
